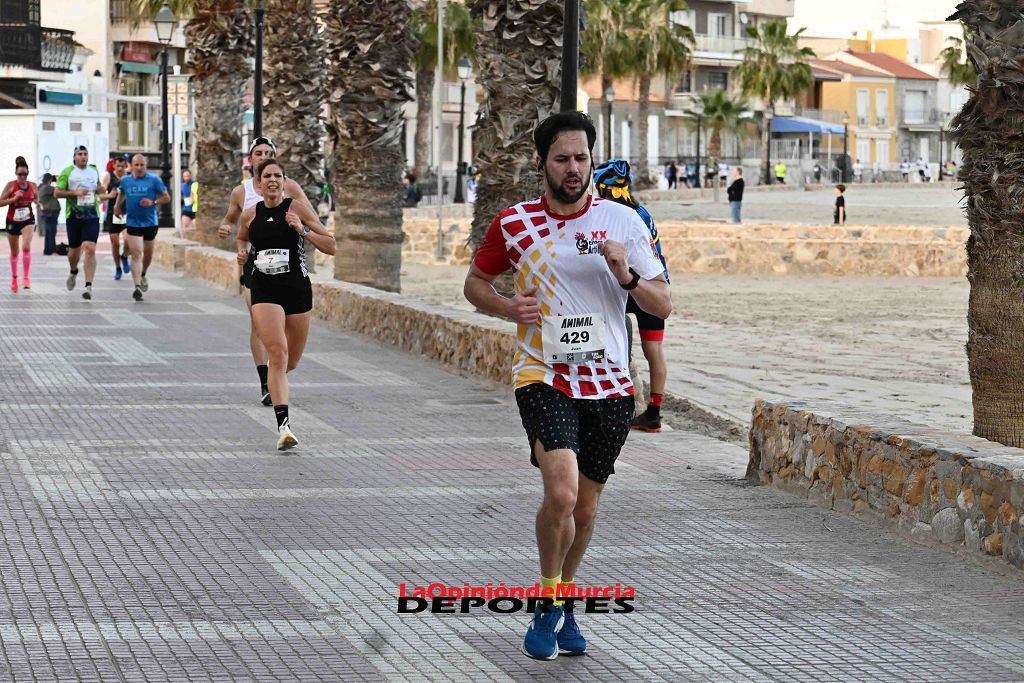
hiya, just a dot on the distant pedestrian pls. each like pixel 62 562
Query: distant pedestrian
pixel 817 172
pixel 924 170
pixel 49 212
pixel 411 194
pixel 188 200
pixel 691 176
pixel 735 194
pixel 905 170
pixel 672 175
pixel 839 214
pixel 951 169
pixel 723 173
pixel 780 172
pixel 858 172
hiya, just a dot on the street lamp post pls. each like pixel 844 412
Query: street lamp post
pixel 165 22
pixel 257 90
pixel 846 138
pixel 942 150
pixel 609 97
pixel 698 110
pixel 465 68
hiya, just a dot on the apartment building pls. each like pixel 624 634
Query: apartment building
pixel 47 93
pixel 719 28
pixel 123 64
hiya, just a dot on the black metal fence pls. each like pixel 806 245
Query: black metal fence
pixel 36 47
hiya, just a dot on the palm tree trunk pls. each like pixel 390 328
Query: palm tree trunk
pixel 765 139
pixel 606 117
pixel 643 111
pixel 519 58
pixel 987 130
pixel 424 107
pixel 293 95
pixel 369 46
pixel 715 144
pixel 219 38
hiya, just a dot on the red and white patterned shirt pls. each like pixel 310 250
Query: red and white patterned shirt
pixel 559 256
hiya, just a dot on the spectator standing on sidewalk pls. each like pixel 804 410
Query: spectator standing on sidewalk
pixel 839 214
pixel 858 172
pixel 49 213
pixel 780 172
pixel 735 194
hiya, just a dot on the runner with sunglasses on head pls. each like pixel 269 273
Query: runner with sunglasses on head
pixel 243 197
pixel 18 196
pixel 612 181
pixel 79 185
pixel 277 228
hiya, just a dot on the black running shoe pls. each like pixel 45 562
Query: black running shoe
pixel 647 423
pixel 137 294
pixel 266 397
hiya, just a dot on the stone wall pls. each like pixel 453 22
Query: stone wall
pixel 749 249
pixel 956 489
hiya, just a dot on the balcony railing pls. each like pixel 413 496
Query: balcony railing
pixel 829 115
pixel 119 12
pixel 35 47
pixel 922 116
pixel 730 45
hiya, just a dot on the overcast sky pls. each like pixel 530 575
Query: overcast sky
pixel 843 16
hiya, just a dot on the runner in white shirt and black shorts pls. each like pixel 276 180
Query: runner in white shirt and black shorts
pixel 576 258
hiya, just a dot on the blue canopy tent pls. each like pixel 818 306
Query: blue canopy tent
pixel 799 124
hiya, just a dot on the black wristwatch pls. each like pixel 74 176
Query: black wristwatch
pixel 632 283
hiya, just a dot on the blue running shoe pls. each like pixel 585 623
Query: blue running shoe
pixel 117 274
pixel 541 641
pixel 126 265
pixel 570 641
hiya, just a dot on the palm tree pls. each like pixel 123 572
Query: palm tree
pixel 987 130
pixel 722 113
pixel 604 46
pixel 954 67
pixel 293 93
pixel 219 38
pixel 774 68
pixel 369 47
pixel 459 41
pixel 519 57
pixel 659 46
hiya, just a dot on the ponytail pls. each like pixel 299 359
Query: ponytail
pixel 20 163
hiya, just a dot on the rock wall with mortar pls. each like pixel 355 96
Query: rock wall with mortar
pixel 749 249
pixel 957 489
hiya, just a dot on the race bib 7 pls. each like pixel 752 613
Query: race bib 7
pixel 272 261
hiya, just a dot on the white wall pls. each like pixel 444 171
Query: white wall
pixel 89 19
pixel 18 131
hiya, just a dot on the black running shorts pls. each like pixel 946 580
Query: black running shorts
pixel 147 234
pixel 82 230
pixel 15 227
pixel 594 429
pixel 247 268
pixel 652 328
pixel 294 295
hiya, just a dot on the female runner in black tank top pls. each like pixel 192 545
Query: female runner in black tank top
pixel 282 296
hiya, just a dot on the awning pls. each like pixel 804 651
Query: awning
pixel 799 124
pixel 57 97
pixel 139 67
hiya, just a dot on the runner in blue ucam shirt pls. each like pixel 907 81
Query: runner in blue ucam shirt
pixel 138 195
pixel 612 182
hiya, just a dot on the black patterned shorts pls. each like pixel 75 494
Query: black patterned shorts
pixel 594 429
